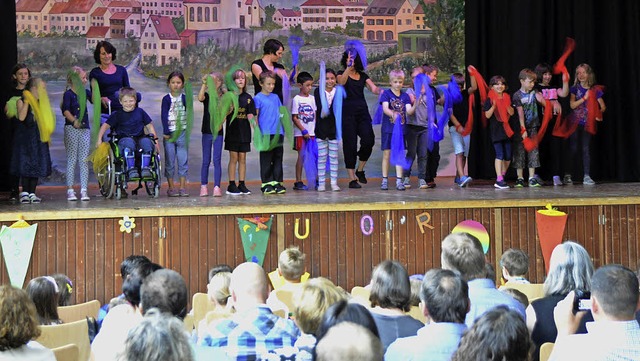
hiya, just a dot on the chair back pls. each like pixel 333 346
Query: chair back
pixel 79 312
pixel 416 313
pixel 361 295
pixel 533 291
pixel 286 297
pixel 201 305
pixel 68 352
pixel 67 333
pixel 545 350
pixel 188 323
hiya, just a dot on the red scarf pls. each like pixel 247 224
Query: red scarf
pixel 532 143
pixel 502 114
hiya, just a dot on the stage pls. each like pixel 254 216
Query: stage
pixel 344 234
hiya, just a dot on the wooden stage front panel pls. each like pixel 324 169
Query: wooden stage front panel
pixel 87 245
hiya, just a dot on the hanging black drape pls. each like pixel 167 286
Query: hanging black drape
pixel 505 36
pixel 9 50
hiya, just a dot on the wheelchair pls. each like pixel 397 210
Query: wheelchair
pixel 113 176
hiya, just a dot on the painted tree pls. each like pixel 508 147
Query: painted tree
pixel 446 20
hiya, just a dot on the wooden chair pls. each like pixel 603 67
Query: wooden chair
pixel 545 351
pixel 201 305
pixel 69 352
pixel 361 295
pixel 188 323
pixel 286 297
pixel 416 313
pixel 533 291
pixel 79 312
pixel 67 333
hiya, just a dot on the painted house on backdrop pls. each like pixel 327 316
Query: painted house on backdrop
pixel 32 15
pixel 322 14
pixel 101 16
pixel 212 14
pixel 170 8
pixel 353 10
pixel 287 17
pixel 76 15
pixel 56 23
pixel 251 13
pixel 96 34
pixel 123 25
pixel 160 39
pixel 385 19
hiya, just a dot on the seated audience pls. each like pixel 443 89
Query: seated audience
pixel 444 302
pixel 159 337
pixel 416 286
pixel 253 331
pixel 44 293
pixel 291 268
pixel 500 334
pixel 615 333
pixel 515 265
pixel 65 286
pixel 462 253
pixel 362 344
pixel 570 268
pixel 517 295
pixel 166 291
pixel 219 268
pixel 345 311
pixel 19 327
pixel 219 294
pixel 390 296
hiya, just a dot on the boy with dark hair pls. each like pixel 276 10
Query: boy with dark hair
pixel 515 264
pixel 457 123
pixel 303 112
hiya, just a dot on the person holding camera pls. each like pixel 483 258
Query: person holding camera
pixel 615 333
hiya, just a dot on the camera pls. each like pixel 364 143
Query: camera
pixel 582 301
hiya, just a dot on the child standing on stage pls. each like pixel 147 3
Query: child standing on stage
pixel 326 135
pixel 396 104
pixel 174 119
pixel 238 140
pixel 208 143
pixel 525 102
pixel 416 135
pixel 433 155
pixel 303 111
pixel 77 136
pixel 457 122
pixel 498 109
pixel 268 113
pixel 581 91
pixel 20 75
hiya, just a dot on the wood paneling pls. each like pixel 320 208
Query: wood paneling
pixel 90 251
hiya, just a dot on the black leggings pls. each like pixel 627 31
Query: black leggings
pixel 29 184
pixel 356 122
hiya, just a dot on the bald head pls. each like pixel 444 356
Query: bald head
pixel 249 282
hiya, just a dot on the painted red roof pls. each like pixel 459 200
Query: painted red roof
pixel 164 27
pixel 120 15
pixel 30 6
pixel 57 8
pixel 322 3
pixel 354 3
pixel 384 8
pixel 211 2
pixel 187 32
pixel 97 32
pixel 290 13
pixel 79 6
pixel 99 11
pixel 124 4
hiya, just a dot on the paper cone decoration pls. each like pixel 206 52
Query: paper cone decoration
pixel 550 224
pixel 475 229
pixel 17 245
pixel 255 237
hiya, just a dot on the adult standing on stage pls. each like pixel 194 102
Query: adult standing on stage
pixel 110 77
pixel 272 53
pixel 356 120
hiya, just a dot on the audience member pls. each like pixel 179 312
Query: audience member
pixel 462 253
pixel 65 286
pixel 253 331
pixel 159 337
pixel 165 290
pixel 349 341
pixel 416 286
pixel 345 311
pixel 517 295
pixel 570 268
pixel 219 268
pixel 499 334
pixel 291 270
pixel 390 297
pixel 615 334
pixel 219 294
pixel 44 293
pixel 18 328
pixel 515 265
pixel 444 299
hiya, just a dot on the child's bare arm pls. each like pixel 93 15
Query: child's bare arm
pixel 103 129
pixel 521 118
pixel 603 107
pixel 388 112
pixel 474 85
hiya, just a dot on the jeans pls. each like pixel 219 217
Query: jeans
pixel 176 153
pixel 207 145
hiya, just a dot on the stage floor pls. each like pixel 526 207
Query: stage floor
pixel 480 194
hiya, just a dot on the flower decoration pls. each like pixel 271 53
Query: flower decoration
pixel 127 224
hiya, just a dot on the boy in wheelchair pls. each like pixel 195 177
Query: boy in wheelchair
pixel 130 125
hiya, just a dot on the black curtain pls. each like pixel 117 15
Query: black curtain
pixel 9 51
pixel 505 36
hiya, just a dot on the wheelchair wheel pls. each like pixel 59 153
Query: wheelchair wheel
pixel 153 187
pixel 118 193
pixel 106 175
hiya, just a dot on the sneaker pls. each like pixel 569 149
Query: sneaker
pixel 539 179
pixel 84 195
pixel 146 173
pixel 361 178
pixel 24 198
pixel 520 183
pixel 243 189
pixel 354 184
pixel 422 184
pixel 501 184
pixel 172 193
pixel 268 189
pixel 588 181
pixel 400 185
pixel 280 189
pixel 133 173
pixel 385 184
pixel 71 195
pixel 567 179
pixel 233 190
pixel 456 180
pixel 299 186
pixel 407 182
pixel 183 192
pixel 217 192
pixel 335 187
pixel 464 180
pixel 557 181
pixel 431 184
pixel 321 187
pixel 33 198
pixel 203 191
pixel 533 182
